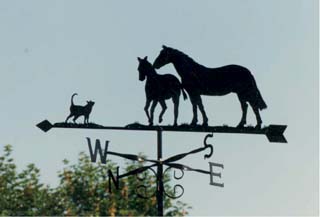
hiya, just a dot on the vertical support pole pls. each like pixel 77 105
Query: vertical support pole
pixel 159 174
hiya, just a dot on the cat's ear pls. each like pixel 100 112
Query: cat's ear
pixel 139 59
pixel 145 58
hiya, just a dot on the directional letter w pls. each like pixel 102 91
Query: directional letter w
pixel 97 148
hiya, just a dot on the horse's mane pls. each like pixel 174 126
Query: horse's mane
pixel 187 58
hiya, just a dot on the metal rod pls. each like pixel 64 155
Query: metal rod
pixel 159 174
pixel 273 132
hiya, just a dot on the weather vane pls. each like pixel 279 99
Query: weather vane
pixel 196 80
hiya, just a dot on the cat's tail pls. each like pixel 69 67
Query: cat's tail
pixel 72 98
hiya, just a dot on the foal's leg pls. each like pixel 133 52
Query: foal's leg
pixel 244 108
pixel 153 106
pixel 146 109
pixel 164 108
pixel 175 100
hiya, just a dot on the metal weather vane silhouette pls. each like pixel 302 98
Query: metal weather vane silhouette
pixel 196 80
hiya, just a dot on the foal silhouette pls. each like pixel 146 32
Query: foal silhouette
pixel 199 80
pixel 159 88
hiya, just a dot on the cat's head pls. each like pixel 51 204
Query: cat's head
pixel 90 103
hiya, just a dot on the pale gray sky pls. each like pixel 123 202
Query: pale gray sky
pixel 51 49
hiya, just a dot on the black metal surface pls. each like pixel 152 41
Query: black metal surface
pixel 142 190
pixel 274 133
pixel 176 186
pixel 160 188
pixel 196 80
pixel 200 80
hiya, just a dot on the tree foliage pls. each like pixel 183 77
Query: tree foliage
pixel 83 190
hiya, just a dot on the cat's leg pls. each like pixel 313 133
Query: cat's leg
pixel 75 118
pixel 87 119
pixel 68 118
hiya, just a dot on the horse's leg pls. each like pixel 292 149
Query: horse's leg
pixel 175 100
pixel 194 109
pixel 146 108
pixel 164 108
pixel 203 112
pixel 153 106
pixel 257 114
pixel 244 108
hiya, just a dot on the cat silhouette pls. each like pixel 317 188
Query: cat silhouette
pixel 77 110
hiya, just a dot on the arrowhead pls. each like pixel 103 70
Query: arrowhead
pixel 275 133
pixel 45 125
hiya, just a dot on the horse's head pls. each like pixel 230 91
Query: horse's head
pixel 144 68
pixel 163 58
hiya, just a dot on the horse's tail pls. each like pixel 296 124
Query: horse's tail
pixel 259 101
pixel 72 98
pixel 185 96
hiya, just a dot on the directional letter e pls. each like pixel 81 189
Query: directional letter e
pixel 97 148
pixel 215 174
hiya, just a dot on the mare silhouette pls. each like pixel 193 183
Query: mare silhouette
pixel 77 110
pixel 199 80
pixel 159 88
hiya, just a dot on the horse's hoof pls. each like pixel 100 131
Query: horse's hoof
pixel 258 126
pixel 241 125
pixel 205 124
pixel 193 123
pixel 160 120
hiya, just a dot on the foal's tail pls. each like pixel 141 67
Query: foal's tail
pixel 185 96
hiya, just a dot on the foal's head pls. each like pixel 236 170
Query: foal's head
pixel 145 68
pixel 164 57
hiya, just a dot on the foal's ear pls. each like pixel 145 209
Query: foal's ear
pixel 145 58
pixel 164 47
pixel 139 59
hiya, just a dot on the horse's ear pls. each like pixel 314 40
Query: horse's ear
pixel 139 59
pixel 164 47
pixel 145 58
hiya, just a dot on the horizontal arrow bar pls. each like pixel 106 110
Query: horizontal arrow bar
pixel 274 133
pixel 131 157
pixel 136 171
pixel 187 168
